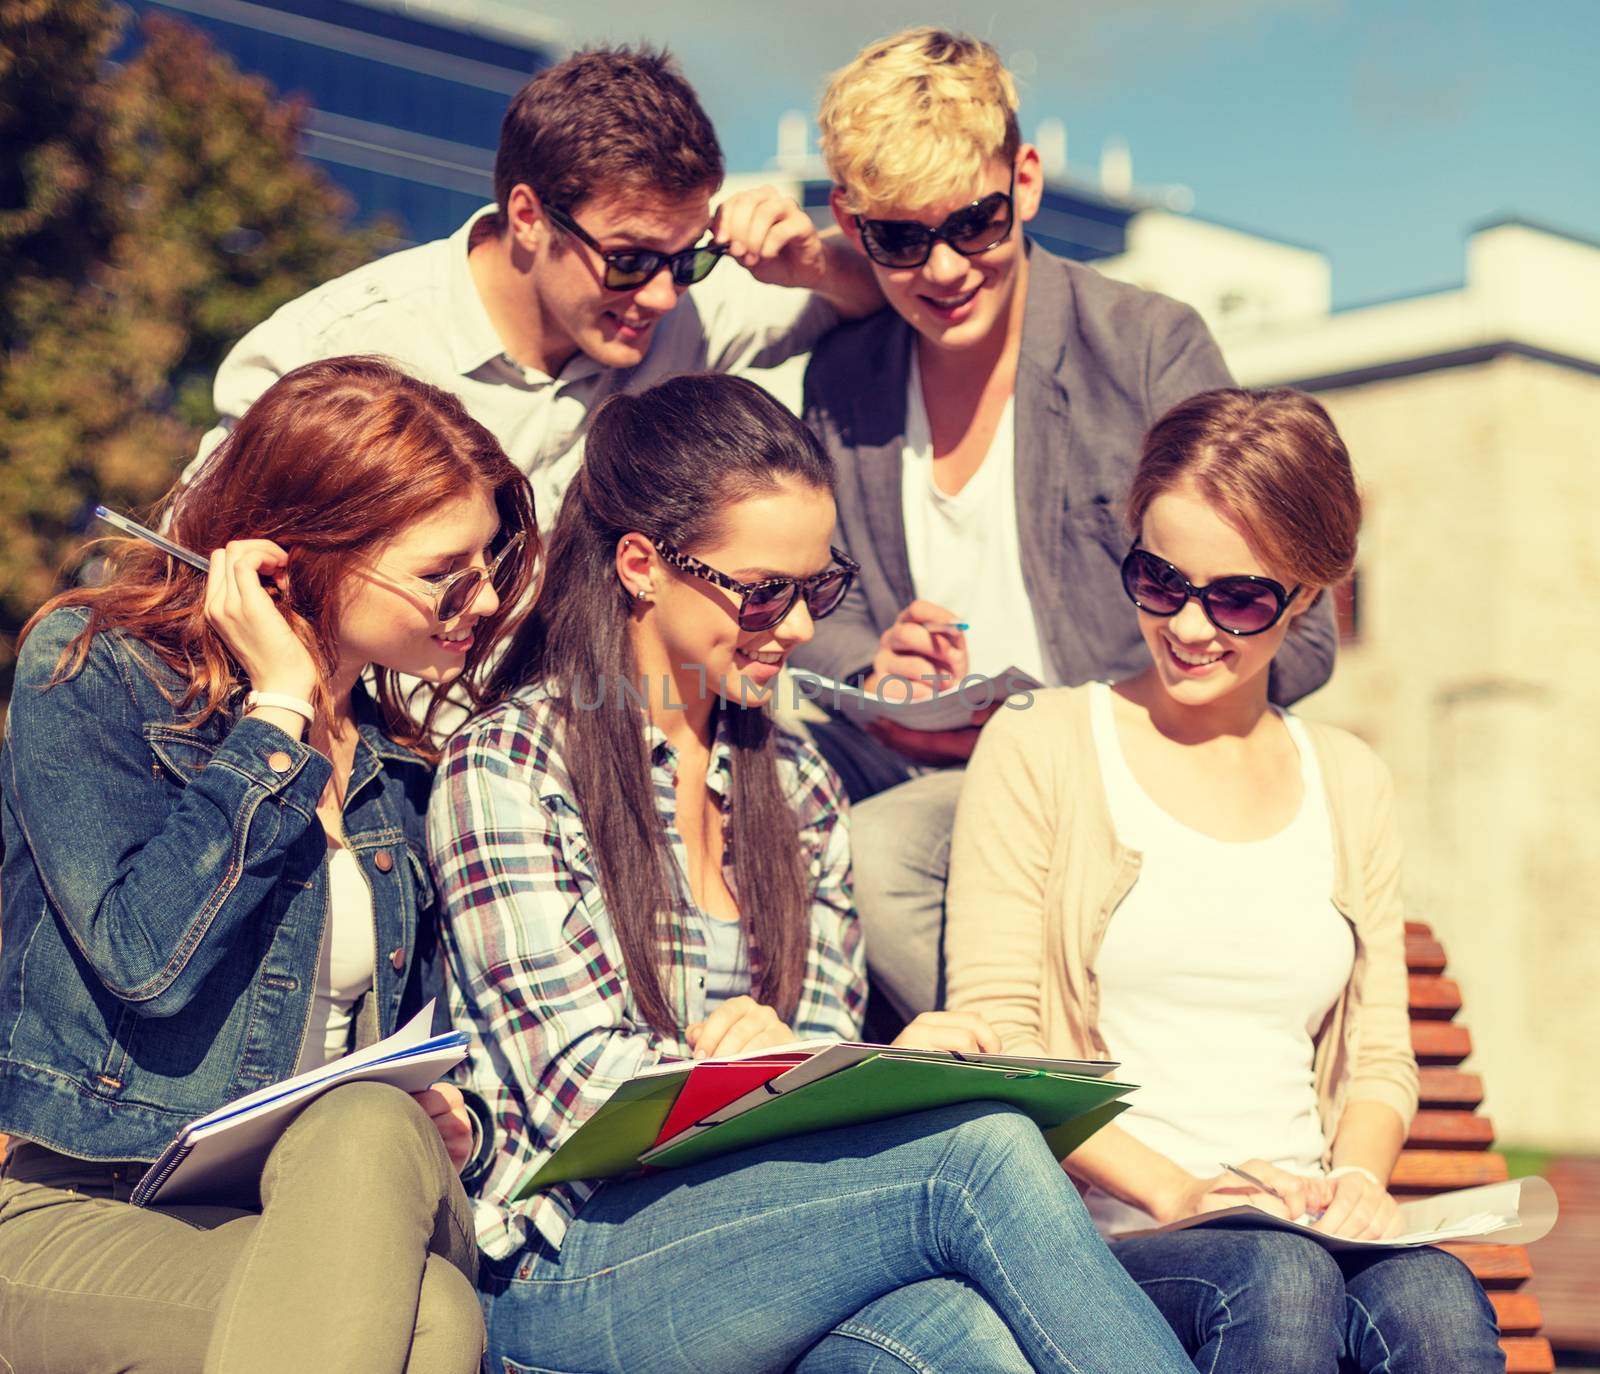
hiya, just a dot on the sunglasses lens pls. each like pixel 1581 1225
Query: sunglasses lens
pixel 695 265
pixel 1152 585
pixel 1242 607
pixel 896 242
pixel 982 227
pixel 766 607
pixel 824 596
pixel 627 271
pixel 459 595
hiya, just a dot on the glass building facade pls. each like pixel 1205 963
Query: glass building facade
pixel 405 109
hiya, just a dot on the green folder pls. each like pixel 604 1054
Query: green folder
pixel 611 1141
pixel 883 1087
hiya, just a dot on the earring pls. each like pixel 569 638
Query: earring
pixel 641 594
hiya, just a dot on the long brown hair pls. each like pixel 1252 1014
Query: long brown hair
pixel 332 462
pixel 668 463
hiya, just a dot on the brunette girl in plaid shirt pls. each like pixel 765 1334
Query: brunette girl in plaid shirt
pixel 637 863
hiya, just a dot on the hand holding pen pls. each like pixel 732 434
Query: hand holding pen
pixel 238 608
pixel 926 641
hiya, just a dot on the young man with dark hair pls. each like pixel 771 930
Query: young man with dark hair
pixel 985 431
pixel 576 282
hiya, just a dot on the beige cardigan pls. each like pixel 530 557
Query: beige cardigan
pixel 1037 873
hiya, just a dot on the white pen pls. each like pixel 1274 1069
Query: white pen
pixel 144 532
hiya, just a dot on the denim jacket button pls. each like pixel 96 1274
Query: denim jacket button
pixel 397 958
pixel 279 761
pixel 383 860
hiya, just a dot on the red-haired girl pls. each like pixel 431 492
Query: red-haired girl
pixel 214 878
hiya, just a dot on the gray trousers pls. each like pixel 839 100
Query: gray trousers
pixel 901 816
pixel 361 1259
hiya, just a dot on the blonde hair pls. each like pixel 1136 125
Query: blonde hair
pixel 914 119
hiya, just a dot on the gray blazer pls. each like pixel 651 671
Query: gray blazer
pixel 1100 362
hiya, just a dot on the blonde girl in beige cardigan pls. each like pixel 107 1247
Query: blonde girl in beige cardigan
pixel 1173 872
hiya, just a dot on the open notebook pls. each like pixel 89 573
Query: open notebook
pixel 219 1157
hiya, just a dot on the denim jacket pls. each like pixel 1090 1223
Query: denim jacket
pixel 163 892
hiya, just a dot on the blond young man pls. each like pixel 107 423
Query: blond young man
pixel 985 431
pixel 576 282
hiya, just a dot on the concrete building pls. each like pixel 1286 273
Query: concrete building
pixel 1472 415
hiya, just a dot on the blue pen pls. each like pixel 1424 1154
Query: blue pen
pixel 949 625
pixel 144 532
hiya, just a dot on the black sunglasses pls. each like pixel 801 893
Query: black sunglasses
pixel 974 229
pixel 627 269
pixel 1239 605
pixel 765 604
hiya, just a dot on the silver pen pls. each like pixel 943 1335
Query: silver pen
pixel 144 532
pixel 1253 1180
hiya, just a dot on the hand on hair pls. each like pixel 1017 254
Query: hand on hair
pixel 739 1025
pixel 240 611
pixel 965 1032
pixel 769 234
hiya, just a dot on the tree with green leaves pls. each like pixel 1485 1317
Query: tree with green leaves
pixel 150 214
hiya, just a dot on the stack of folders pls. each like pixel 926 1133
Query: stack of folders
pixel 680 1113
pixel 219 1158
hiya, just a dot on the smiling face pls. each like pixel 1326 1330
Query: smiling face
pixel 956 302
pixel 388 621
pixel 692 621
pixel 578 313
pixel 1197 664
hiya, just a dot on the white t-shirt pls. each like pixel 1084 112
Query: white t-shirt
pixel 963 549
pixel 421 308
pixel 1216 971
pixel 346 964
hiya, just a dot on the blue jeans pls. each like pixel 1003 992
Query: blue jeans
pixel 948 1240
pixel 1254 1302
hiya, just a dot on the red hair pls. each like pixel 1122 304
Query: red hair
pixel 332 462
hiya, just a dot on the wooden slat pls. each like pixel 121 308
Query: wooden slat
pixel 1517 1314
pixel 1424 954
pixel 1447 1087
pixel 1440 1042
pixel 1433 998
pixel 1450 1131
pixel 1496 1266
pixel 1528 1355
pixel 1430 1171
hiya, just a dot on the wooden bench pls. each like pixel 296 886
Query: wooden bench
pixel 1449 1147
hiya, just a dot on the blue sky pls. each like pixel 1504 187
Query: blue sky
pixel 1378 131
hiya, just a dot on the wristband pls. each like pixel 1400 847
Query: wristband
pixel 283 701
pixel 1357 1169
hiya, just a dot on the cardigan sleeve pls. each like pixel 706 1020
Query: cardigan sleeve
pixel 999 865
pixel 1383 1068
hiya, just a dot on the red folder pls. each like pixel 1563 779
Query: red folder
pixel 711 1087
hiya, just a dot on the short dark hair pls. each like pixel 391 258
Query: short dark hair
pixel 604 118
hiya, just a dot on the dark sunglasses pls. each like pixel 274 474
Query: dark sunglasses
pixel 452 593
pixel 1239 605
pixel 972 230
pixel 627 269
pixel 764 604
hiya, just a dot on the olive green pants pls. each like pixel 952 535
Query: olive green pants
pixel 361 1258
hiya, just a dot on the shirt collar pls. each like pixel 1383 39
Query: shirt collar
pixel 720 769
pixel 472 337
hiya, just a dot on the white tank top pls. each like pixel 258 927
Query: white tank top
pixel 1216 971
pixel 346 964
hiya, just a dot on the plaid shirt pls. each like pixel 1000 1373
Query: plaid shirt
pixel 536 971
